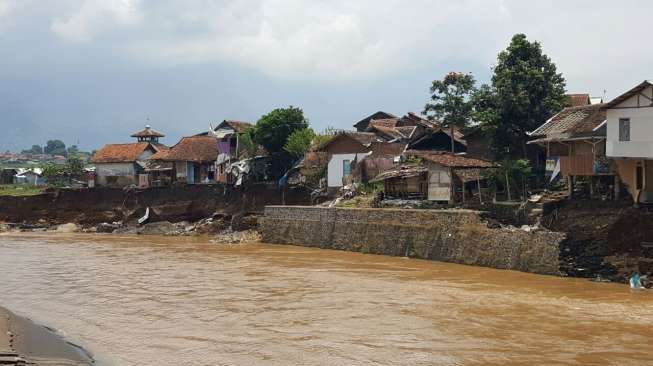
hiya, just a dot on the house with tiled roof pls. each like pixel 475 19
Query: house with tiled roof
pixel 450 176
pixel 575 143
pixel 344 149
pixel 192 159
pixel 122 164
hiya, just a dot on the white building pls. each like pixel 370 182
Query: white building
pixel 344 149
pixel 629 139
pixel 32 176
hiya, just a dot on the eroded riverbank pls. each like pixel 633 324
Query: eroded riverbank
pixel 171 301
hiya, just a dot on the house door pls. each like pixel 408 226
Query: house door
pixel 439 184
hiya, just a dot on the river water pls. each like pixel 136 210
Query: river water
pixel 181 301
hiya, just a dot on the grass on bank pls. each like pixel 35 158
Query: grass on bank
pixel 20 190
pixel 357 202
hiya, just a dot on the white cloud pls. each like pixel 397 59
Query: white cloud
pixel 6 9
pixel 344 39
pixel 96 16
pixel 296 39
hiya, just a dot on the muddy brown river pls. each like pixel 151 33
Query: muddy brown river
pixel 177 301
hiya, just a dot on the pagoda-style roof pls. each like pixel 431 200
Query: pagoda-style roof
pixel 148 132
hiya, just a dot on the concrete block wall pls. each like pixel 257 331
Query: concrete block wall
pixel 457 236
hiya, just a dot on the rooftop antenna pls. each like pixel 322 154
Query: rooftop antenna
pixel 604 93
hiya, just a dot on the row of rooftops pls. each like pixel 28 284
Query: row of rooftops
pixel 200 148
pixel 583 118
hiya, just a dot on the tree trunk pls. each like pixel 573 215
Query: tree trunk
pixel 508 186
pixel 453 143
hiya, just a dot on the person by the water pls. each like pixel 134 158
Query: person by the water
pixel 635 281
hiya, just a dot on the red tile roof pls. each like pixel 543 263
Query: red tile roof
pixel 577 100
pixel 362 124
pixel 198 149
pixel 148 132
pixel 403 171
pixel 412 119
pixel 385 122
pixel 387 148
pixel 451 160
pixel 121 153
pixel 572 122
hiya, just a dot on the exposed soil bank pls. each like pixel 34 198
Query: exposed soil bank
pixel 174 204
pixel 606 239
pixel 22 341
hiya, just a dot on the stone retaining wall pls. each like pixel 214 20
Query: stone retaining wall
pixel 457 236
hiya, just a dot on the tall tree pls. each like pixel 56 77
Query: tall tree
pixel 527 90
pixel 273 129
pixel 299 142
pixel 36 149
pixel 55 147
pixel 451 102
pixel 72 150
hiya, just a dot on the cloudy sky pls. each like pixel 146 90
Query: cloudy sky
pixel 94 71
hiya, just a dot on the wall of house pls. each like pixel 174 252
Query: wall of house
pixel 641 129
pixel 335 167
pixel 457 236
pixel 182 170
pixel 119 174
pixel 405 187
pixel 627 170
pixel 439 186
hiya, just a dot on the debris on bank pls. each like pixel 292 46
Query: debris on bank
pixel 221 228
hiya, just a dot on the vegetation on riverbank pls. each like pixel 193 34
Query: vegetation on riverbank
pixel 20 190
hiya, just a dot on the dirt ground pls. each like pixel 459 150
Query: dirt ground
pixel 607 239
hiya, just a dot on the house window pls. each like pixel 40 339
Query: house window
pixel 346 167
pixel 624 129
pixel 639 177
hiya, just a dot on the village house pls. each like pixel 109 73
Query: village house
pixel 439 139
pixel 406 181
pixel 575 143
pixel 228 133
pixel 344 149
pixel 192 160
pixel 124 164
pixel 450 176
pixel 32 176
pixel 362 125
pixel 630 139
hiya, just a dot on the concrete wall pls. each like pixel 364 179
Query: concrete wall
pixel 446 235
pixel 627 169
